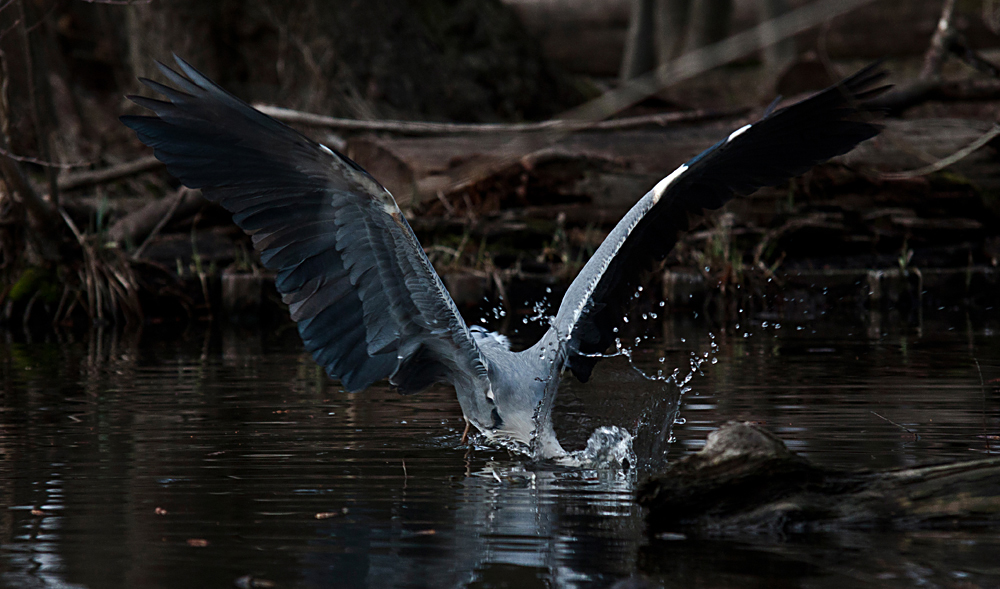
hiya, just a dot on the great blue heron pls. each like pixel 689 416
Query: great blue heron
pixel 367 301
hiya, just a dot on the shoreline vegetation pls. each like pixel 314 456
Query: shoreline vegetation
pixel 508 196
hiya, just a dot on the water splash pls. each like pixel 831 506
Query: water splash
pixel 539 311
pixel 608 447
pixel 659 419
pixel 494 313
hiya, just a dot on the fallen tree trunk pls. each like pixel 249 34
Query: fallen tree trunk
pixel 288 115
pixel 615 169
pixel 746 480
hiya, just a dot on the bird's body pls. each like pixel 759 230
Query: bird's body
pixel 366 299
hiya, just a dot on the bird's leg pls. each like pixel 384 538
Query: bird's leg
pixel 465 434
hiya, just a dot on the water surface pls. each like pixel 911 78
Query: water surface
pixel 222 458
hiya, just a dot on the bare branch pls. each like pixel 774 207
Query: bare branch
pixel 426 128
pixel 71 181
pixel 40 162
pixel 938 50
pixel 945 162
pixel 174 205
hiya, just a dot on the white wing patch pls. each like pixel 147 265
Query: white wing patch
pixel 738 132
pixel 377 192
pixel 662 185
pixel 481 336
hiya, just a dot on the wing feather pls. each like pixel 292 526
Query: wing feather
pixel 366 300
pixel 783 144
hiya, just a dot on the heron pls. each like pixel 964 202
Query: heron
pixel 368 303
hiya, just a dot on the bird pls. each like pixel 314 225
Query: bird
pixel 368 303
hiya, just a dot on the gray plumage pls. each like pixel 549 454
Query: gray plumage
pixel 366 299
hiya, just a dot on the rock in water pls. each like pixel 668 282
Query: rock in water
pixel 746 480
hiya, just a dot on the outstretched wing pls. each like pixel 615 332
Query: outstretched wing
pixel 781 145
pixel 367 302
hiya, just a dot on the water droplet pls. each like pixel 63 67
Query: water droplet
pixel 625 319
pixel 715 360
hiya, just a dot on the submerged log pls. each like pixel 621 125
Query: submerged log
pixel 746 480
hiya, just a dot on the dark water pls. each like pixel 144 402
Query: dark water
pixel 207 459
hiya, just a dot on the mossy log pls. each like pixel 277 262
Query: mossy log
pixel 746 480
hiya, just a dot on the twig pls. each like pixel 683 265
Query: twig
pixel 982 384
pixel 43 163
pixel 973 58
pixel 17 23
pixel 943 35
pixel 72 227
pixel 904 428
pixel 138 224
pixel 920 91
pixel 71 181
pixel 177 198
pixel 426 128
pixel 945 162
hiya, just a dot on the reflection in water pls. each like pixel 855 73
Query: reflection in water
pixel 524 528
pixel 199 459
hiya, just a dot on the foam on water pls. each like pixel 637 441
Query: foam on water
pixel 608 447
